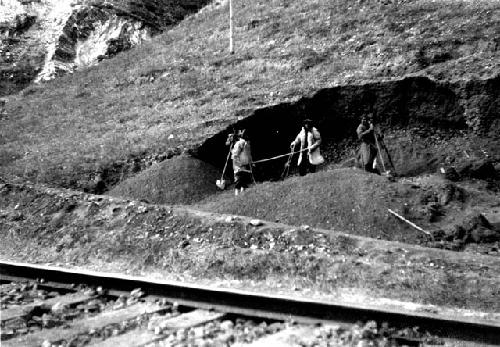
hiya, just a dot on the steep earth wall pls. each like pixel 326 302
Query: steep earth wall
pixel 42 39
pixel 410 110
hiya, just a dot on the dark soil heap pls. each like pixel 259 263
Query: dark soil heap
pixel 353 201
pixel 180 180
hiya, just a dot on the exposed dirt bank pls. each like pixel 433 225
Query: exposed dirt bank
pixel 427 123
pixel 68 227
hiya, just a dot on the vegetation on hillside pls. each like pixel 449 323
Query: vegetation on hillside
pixel 174 91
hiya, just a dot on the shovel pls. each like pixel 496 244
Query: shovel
pixel 221 184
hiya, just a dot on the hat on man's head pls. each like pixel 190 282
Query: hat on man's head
pixel 242 133
pixel 307 121
pixel 368 116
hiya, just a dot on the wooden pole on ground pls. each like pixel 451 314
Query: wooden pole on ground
pixel 410 223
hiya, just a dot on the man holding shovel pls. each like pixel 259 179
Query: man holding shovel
pixel 242 162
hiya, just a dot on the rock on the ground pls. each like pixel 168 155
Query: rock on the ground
pixel 481 169
pixel 474 229
pixel 256 222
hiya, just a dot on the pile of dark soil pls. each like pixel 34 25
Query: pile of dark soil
pixel 353 201
pixel 180 180
pixel 346 200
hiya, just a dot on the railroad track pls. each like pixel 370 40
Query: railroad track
pixel 48 306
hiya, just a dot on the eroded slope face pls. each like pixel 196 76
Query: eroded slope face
pixel 426 124
pixel 45 39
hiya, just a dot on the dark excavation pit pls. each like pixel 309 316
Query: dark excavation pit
pixel 416 113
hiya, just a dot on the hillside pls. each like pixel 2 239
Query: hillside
pixel 113 167
pixel 176 91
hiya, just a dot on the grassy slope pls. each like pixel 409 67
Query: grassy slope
pixel 184 79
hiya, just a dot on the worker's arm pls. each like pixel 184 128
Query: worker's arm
pixel 237 148
pixel 359 131
pixel 296 141
pixel 230 140
pixel 362 133
pixel 317 139
pixel 370 129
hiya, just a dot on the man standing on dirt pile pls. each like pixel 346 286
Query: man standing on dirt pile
pixel 242 162
pixel 309 139
pixel 368 150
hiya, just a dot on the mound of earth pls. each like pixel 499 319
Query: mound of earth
pixel 355 202
pixel 180 180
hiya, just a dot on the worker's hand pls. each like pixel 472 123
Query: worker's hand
pixel 292 146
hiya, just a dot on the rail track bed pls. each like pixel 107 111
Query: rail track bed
pixel 47 306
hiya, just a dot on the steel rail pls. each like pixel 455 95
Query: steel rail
pixel 261 305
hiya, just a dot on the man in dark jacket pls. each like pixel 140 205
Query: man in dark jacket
pixel 368 150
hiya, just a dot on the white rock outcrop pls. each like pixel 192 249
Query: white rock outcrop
pixel 43 39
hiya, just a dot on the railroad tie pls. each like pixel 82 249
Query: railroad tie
pixel 139 337
pixel 83 326
pixel 20 312
pixel 283 338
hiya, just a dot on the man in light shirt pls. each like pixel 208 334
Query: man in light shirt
pixel 242 162
pixel 309 139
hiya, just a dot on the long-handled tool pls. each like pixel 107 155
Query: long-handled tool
pixel 379 152
pixel 288 162
pixel 251 173
pixel 379 141
pixel 286 169
pixel 382 144
pixel 221 184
